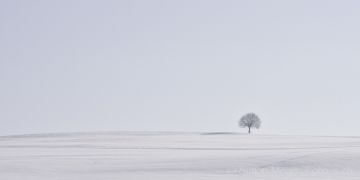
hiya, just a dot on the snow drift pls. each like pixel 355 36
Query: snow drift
pixel 145 155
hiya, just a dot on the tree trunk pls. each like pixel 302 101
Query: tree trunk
pixel 249 130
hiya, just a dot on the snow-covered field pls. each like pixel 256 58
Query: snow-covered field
pixel 190 156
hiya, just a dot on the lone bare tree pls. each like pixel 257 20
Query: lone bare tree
pixel 250 120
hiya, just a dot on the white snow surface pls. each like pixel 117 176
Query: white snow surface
pixel 175 156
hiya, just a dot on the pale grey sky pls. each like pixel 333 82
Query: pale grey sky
pixel 184 65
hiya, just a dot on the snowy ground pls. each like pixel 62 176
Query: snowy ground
pixel 140 156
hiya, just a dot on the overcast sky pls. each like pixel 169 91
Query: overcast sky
pixel 184 65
